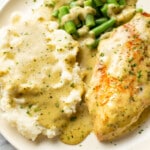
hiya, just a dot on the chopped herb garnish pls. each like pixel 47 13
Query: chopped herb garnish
pixel 139 75
pixel 148 76
pixel 131 72
pixel 130 60
pixel 89 68
pixel 50 4
pixel 73 118
pixel 51 96
pixel 141 131
pixel 21 107
pixel 28 112
pixel 141 89
pixel 36 109
pixel 30 105
pixel 72 85
pixel 133 65
pixel 102 54
pixel 57 105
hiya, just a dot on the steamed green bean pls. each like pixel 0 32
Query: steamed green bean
pixel 103 27
pixel 97 20
pixel 70 27
pixel 112 1
pixel 90 21
pixel 63 11
pixel 88 3
pixel 101 20
pixel 55 13
pixel 98 3
pixel 122 2
pixel 104 10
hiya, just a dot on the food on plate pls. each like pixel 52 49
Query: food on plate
pixel 41 83
pixel 120 85
pixel 91 17
pixel 47 60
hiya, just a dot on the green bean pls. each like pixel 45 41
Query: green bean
pixel 88 3
pixel 104 9
pixel 90 21
pixel 122 2
pixel 104 1
pixel 55 13
pixel 70 27
pixel 93 45
pixel 112 1
pixel 101 20
pixel 63 11
pixel 98 3
pixel 103 27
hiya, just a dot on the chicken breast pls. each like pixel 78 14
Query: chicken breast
pixel 120 86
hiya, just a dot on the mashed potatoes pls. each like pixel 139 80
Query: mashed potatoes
pixel 41 82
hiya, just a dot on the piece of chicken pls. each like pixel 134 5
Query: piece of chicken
pixel 120 86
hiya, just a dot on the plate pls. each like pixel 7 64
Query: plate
pixel 137 140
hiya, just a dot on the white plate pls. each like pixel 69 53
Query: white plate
pixel 134 141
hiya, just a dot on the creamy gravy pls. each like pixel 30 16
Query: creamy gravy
pixel 44 78
pixel 78 127
pixel 77 130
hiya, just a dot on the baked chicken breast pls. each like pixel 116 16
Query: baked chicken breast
pixel 120 85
